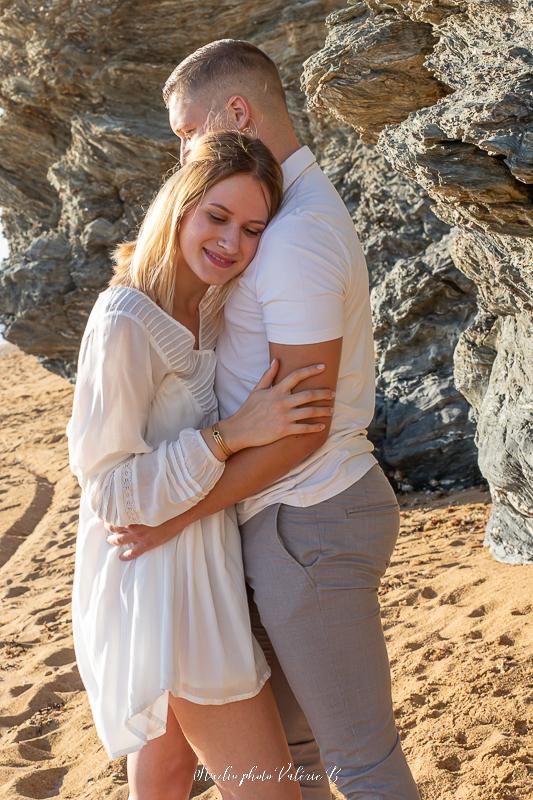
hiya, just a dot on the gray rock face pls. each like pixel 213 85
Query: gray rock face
pixel 421 302
pixel 470 148
pixel 84 142
pixel 378 63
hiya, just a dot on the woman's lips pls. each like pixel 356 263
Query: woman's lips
pixel 218 260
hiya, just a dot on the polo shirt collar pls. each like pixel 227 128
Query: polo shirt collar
pixel 295 164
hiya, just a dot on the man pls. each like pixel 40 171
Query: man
pixel 318 518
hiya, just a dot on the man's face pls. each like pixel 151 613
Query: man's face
pixel 190 118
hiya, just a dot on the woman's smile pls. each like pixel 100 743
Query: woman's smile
pixel 219 260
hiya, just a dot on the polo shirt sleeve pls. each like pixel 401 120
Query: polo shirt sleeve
pixel 302 281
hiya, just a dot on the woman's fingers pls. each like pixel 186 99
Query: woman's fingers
pixel 140 538
pixel 114 528
pixel 124 537
pixel 267 378
pixel 136 542
pixel 310 396
pixel 133 552
pixel 309 412
pixel 305 427
pixel 294 378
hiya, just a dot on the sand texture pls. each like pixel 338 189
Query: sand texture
pixel 456 623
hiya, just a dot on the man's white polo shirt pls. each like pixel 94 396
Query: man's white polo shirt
pixel 308 283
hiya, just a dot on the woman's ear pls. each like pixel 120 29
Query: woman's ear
pixel 239 112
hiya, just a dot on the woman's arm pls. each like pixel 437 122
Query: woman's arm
pixel 125 479
pixel 254 469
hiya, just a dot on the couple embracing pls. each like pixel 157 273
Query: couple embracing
pixel 234 524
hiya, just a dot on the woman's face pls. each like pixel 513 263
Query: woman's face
pixel 219 237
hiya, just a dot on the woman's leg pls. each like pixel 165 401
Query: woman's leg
pixel 239 743
pixel 164 768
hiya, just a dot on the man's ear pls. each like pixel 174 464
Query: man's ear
pixel 239 111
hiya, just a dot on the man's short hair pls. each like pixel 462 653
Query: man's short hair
pixel 225 62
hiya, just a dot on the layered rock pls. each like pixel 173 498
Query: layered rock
pixel 421 302
pixel 85 141
pixel 445 91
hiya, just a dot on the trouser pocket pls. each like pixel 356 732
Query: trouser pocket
pixel 298 535
pixel 356 544
pixel 353 512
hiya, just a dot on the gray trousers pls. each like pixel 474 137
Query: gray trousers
pixel 313 575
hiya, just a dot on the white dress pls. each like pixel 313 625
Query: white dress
pixel 175 619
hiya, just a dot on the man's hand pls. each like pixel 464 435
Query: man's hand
pixel 140 538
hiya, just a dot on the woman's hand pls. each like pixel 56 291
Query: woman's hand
pixel 273 412
pixel 140 538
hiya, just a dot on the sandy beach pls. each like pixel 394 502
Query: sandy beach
pixel 456 623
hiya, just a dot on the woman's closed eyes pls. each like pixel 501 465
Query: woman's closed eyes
pixel 222 220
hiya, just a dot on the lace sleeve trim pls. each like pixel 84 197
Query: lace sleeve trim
pixel 132 512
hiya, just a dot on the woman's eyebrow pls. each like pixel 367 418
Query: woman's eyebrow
pixel 219 205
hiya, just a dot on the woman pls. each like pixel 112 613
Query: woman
pixel 145 444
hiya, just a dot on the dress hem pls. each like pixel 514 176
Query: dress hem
pixel 193 699
pixel 221 701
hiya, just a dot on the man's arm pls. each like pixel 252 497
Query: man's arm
pixel 250 471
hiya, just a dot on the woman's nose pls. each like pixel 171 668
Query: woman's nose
pixel 229 241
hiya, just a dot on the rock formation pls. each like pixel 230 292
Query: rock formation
pixel 84 141
pixel 444 89
pixel 421 302
pixel 84 137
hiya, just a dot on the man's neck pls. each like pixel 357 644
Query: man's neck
pixel 282 143
pixel 284 152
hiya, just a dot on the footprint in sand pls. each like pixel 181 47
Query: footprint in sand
pixel 418 700
pixel 410 598
pixel 438 652
pixel 33 510
pixel 413 645
pixel 62 657
pixel 50 616
pixel 57 604
pixel 67 543
pixel 42 783
pixel 451 598
pixel 16 591
pixel 449 763
pixel 68 682
pixel 30 752
pixel 480 611
pixel 16 690
pixel 520 612
pixel 521 727
pixel 436 710
pixel 31 734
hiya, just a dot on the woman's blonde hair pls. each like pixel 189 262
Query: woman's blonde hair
pixel 149 262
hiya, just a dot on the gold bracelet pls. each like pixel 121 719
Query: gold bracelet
pixel 219 439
